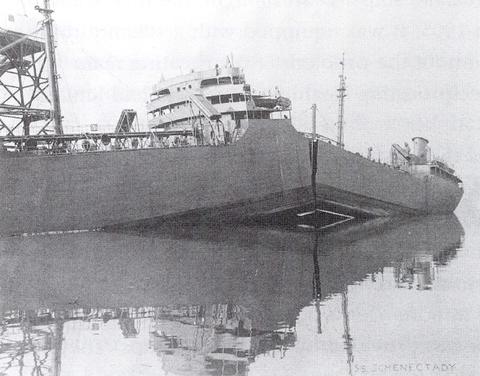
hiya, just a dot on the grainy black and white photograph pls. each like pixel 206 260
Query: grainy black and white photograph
pixel 251 188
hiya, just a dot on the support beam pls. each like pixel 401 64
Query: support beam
pixel 53 76
pixel 25 105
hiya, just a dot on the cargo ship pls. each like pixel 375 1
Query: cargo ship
pixel 215 150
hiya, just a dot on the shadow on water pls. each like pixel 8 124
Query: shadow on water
pixel 203 300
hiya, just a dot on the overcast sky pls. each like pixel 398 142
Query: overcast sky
pixel 412 67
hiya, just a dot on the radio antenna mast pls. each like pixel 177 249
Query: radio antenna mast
pixel 53 76
pixel 341 98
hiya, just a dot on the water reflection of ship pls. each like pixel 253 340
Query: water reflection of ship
pixel 420 271
pixel 409 269
pixel 220 336
pixel 317 296
pixel 267 274
pixel 192 338
pixel 263 268
pixel 27 339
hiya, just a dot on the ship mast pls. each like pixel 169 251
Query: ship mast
pixel 53 76
pixel 341 98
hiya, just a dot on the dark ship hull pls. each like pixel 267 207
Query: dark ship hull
pixel 268 170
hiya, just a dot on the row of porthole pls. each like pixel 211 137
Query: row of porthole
pixel 184 88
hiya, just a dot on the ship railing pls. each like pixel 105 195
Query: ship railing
pixel 99 142
pixel 320 137
pixel 328 140
pixel 440 170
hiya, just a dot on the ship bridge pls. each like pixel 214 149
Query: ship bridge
pixel 200 79
pixel 220 94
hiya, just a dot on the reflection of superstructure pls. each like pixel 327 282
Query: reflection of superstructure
pixel 195 337
pixel 420 270
pixel 218 336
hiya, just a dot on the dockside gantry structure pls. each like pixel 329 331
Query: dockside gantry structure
pixel 27 106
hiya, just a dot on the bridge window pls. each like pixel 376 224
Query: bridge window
pixel 224 80
pixel 238 97
pixel 162 92
pixel 225 98
pixel 215 81
pixel 209 82
pixel 254 114
pixel 214 100
pixel 238 80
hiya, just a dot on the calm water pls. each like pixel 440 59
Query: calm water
pixel 371 299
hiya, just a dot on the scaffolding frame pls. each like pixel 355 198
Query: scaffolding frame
pixel 24 98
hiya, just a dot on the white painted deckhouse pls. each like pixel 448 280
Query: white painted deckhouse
pixel 218 95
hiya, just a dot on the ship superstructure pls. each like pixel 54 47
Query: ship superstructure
pixel 420 163
pixel 218 98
